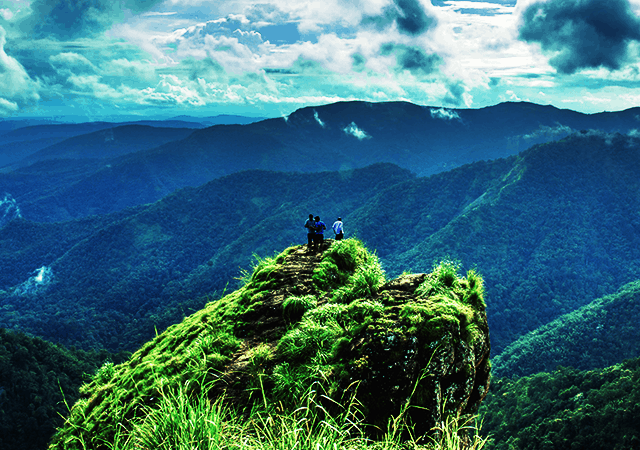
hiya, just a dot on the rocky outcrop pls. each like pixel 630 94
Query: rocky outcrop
pixel 328 322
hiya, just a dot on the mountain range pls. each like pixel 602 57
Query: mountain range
pixel 136 170
pixel 550 230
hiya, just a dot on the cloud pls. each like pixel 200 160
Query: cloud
pixel 71 63
pixel 581 33
pixel 549 133
pixel 410 16
pixel 41 279
pixel 6 14
pixel 71 19
pixel 266 13
pixel 353 130
pixel 444 114
pixel 320 122
pixel 16 87
pixel 457 94
pixel 413 59
pixel 9 208
pixel 416 60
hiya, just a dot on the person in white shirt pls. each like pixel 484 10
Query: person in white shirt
pixel 338 229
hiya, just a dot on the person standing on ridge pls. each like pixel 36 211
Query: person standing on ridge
pixel 319 237
pixel 338 229
pixel 310 225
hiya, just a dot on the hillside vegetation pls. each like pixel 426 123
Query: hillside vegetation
pixel 340 136
pixel 566 409
pixel 557 230
pixel 117 279
pixel 598 335
pixel 36 379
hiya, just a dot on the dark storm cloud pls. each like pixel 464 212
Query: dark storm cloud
pixel 582 33
pixel 71 19
pixel 205 68
pixel 413 59
pixel 358 62
pixel 409 15
pixel 455 96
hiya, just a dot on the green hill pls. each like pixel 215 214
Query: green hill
pixel 325 324
pixel 598 335
pixel 566 409
pixel 36 378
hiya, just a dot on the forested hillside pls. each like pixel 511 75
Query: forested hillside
pixel 550 230
pixel 566 409
pixel 598 335
pixel 36 378
pixel 112 283
pixel 559 229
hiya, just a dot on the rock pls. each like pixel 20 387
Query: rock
pixel 412 348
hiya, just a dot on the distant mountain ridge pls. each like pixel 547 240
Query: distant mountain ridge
pixel 20 143
pixel 106 143
pixel 331 137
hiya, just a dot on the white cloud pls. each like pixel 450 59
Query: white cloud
pixel 7 106
pixel 16 87
pixel 157 13
pixel 68 64
pixel 37 283
pixel 9 208
pixel 353 130
pixel 6 14
pixel 192 52
pixel 445 114
pixel 320 122
pixel 548 132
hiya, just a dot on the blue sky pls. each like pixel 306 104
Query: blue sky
pixel 98 59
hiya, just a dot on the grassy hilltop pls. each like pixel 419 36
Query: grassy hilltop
pixel 321 342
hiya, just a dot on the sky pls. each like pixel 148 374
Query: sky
pixel 83 60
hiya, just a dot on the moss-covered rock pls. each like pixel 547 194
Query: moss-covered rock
pixel 416 346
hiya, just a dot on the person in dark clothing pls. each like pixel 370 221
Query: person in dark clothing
pixel 310 225
pixel 319 236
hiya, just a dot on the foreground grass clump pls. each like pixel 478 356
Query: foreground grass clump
pixel 183 421
pixel 329 324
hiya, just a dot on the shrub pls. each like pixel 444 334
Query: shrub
pixel 293 308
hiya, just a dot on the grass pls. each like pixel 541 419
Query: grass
pixel 294 308
pixel 350 269
pixel 187 419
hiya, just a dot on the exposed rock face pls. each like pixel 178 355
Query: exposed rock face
pixel 417 345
